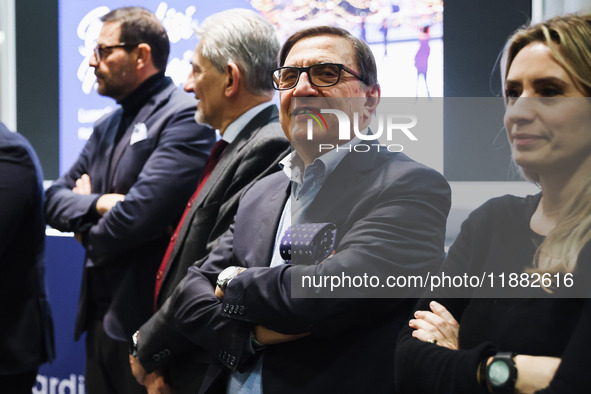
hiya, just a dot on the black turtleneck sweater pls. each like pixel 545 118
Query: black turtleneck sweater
pixel 497 235
pixel 135 100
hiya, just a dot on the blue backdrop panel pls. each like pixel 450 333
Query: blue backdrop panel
pixel 64 257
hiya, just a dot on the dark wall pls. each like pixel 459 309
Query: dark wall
pixel 475 32
pixel 37 79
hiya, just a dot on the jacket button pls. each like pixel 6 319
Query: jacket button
pixel 226 307
pixel 232 360
pixel 156 357
pixel 231 309
pixel 241 310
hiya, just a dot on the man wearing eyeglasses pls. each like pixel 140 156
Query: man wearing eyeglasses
pixel 246 305
pixel 127 189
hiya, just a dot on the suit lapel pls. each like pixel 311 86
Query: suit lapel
pixel 269 222
pixel 241 141
pixel 101 184
pixel 230 154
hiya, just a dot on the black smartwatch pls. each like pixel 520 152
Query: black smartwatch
pixel 501 373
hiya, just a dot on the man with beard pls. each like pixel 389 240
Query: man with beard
pixel 127 189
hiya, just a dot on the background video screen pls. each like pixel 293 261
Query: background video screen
pixel 405 36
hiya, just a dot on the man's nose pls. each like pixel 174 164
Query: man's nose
pixel 92 60
pixel 304 87
pixel 189 85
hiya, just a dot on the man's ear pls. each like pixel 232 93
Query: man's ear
pixel 372 99
pixel 144 55
pixel 233 76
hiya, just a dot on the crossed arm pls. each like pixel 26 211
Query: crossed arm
pixel 155 382
pixel 407 221
pixel 440 328
pixel 166 178
pixel 103 204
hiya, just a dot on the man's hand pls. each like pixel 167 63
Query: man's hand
pixel 265 336
pixel 153 381
pixel 155 384
pixel 138 371
pixel 105 202
pixel 218 291
pixel 78 237
pixel 108 201
pixel 83 185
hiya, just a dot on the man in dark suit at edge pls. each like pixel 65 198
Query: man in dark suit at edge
pixel 26 329
pixel 127 189
pixel 232 62
pixel 390 215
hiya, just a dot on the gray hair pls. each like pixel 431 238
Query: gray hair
pixel 245 38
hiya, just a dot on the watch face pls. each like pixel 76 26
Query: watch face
pixel 226 273
pixel 498 373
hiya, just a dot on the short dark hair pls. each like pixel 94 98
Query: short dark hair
pixel 138 25
pixel 364 58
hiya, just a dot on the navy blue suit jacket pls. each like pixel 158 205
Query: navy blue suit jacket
pixel 390 213
pixel 157 175
pixel 26 328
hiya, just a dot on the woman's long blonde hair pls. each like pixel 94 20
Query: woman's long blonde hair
pixel 569 39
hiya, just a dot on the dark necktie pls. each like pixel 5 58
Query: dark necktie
pixel 214 157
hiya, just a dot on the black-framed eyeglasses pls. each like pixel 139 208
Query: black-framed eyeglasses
pixel 321 75
pixel 102 51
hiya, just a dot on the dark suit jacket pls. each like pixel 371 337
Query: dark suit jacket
pixel 26 328
pixel 390 213
pixel 157 175
pixel 254 154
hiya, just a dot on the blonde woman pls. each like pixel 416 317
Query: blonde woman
pixel 522 345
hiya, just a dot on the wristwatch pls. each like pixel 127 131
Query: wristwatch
pixel 256 345
pixel 133 345
pixel 226 276
pixel 501 373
